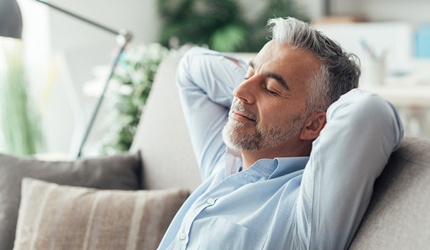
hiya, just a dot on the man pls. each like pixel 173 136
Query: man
pixel 287 162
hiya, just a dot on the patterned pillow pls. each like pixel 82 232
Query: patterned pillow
pixel 52 216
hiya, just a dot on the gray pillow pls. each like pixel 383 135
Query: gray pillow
pixel 114 172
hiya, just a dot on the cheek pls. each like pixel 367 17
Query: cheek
pixel 277 116
pixel 274 114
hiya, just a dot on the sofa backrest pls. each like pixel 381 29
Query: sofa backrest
pixel 398 216
pixel 162 135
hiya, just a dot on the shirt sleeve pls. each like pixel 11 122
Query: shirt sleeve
pixel 361 132
pixel 206 81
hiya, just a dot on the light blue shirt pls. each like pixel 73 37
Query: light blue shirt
pixel 314 202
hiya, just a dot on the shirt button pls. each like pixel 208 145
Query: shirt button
pixel 210 201
pixel 182 236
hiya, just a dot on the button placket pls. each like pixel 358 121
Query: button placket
pixel 210 201
pixel 182 236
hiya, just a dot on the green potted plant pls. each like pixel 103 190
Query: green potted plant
pixel 220 24
pixel 129 91
pixel 217 24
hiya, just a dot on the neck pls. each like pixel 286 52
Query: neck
pixel 249 157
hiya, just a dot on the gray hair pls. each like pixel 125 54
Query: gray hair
pixel 339 72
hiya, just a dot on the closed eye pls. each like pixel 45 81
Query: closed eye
pixel 269 90
pixel 279 79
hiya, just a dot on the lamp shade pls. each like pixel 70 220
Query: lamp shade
pixel 10 19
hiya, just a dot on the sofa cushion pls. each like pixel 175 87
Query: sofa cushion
pixel 60 217
pixel 115 172
pixel 398 216
pixel 162 135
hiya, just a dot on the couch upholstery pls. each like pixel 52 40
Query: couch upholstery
pixel 398 216
pixel 162 136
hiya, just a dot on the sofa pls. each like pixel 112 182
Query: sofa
pixel 156 176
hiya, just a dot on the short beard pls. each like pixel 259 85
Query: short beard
pixel 259 139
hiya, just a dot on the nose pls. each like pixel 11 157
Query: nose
pixel 246 91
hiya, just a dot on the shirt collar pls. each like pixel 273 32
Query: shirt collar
pixel 288 165
pixel 269 167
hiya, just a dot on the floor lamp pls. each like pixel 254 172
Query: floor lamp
pixel 10 19
pixel 123 37
pixel 14 27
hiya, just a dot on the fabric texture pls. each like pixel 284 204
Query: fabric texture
pixel 160 135
pixel 59 217
pixel 398 216
pixel 114 172
pixel 313 202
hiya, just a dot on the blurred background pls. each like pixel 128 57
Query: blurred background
pixel 53 76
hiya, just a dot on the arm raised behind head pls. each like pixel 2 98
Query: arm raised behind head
pixel 362 131
pixel 206 80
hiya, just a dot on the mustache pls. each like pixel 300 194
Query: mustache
pixel 239 108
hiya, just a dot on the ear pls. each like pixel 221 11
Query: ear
pixel 313 126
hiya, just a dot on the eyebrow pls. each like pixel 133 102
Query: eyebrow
pixel 272 75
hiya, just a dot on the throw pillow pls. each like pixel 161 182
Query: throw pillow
pixel 59 217
pixel 114 172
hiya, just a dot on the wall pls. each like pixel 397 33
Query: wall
pixel 413 11
pixel 83 47
pixel 62 52
pixel 410 14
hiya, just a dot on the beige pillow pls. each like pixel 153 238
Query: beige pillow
pixel 52 216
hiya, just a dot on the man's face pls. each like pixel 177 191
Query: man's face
pixel 268 110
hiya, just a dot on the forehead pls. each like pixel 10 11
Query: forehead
pixel 293 64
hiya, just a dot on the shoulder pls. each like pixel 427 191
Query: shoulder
pixel 360 113
pixel 199 53
pixel 360 103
